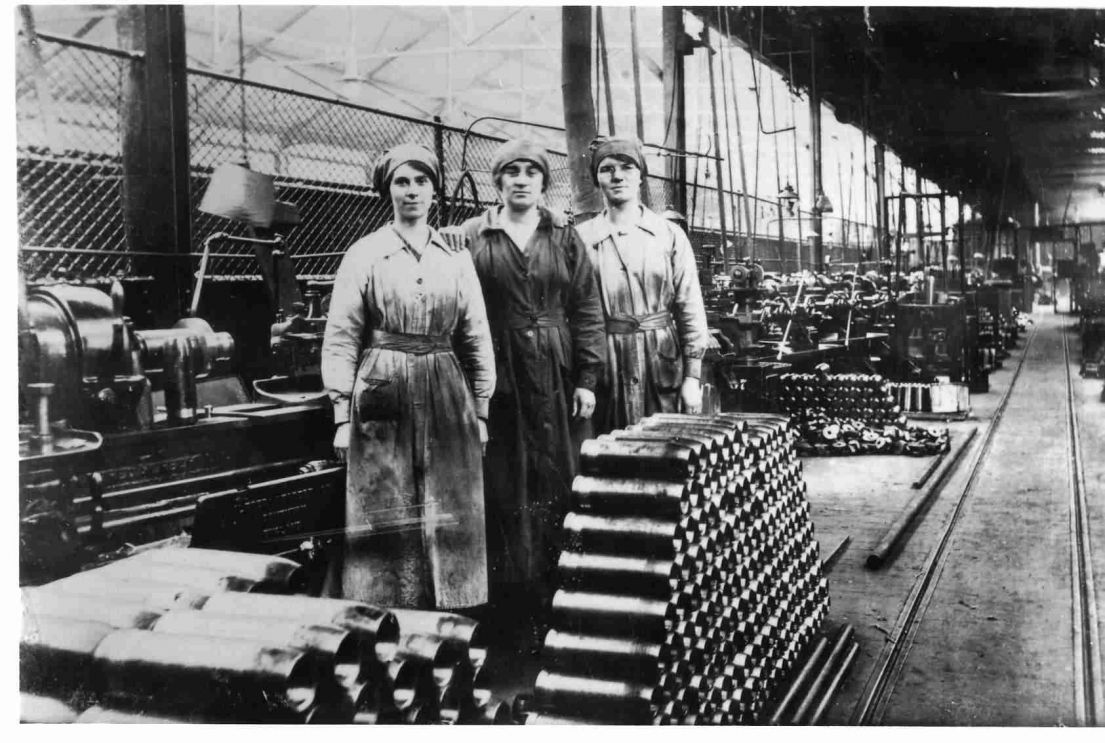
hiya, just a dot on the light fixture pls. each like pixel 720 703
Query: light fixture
pixel 822 204
pixel 789 197
pixel 1097 135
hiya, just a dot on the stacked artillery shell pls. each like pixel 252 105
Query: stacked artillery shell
pixel 434 674
pixel 147 637
pixel 179 635
pixel 690 583
pixel 844 414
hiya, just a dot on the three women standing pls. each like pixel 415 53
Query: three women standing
pixel 410 415
pixel 547 329
pixel 558 310
pixel 655 318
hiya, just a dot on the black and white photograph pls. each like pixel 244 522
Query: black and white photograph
pixel 568 365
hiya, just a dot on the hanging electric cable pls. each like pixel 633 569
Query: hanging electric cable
pixel 903 225
pixel 754 229
pixel 601 33
pixel 596 88
pixel 863 130
pixel 698 146
pixel 794 138
pixel 638 106
pixel 851 192
pixel 740 147
pixel 778 180
pixel 728 136
pixel 717 150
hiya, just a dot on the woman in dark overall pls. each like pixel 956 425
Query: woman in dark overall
pixel 547 329
pixel 407 361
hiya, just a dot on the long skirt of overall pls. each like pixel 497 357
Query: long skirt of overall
pixel 414 499
pixel 644 371
pixel 532 457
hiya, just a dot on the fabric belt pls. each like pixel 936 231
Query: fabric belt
pixel 412 343
pixel 553 319
pixel 627 324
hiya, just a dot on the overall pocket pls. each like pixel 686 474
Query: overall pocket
pixel 379 400
pixel 667 362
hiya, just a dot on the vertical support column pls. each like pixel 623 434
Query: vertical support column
pixel 675 121
pixel 782 237
pixel 154 124
pixel 944 236
pixel 962 247
pixel 579 107
pixel 881 217
pixel 919 213
pixel 815 146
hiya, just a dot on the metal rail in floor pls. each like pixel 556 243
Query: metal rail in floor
pixel 969 621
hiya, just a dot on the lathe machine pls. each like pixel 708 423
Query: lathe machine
pixel 131 435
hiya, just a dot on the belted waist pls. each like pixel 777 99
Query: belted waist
pixel 413 343
pixel 543 319
pixel 627 324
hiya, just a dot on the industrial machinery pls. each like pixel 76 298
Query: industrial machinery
pixel 91 368
pixel 1092 323
pixel 772 325
pixel 123 430
pixel 930 340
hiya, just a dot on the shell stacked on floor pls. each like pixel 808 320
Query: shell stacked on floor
pixel 190 635
pixel 842 414
pixel 690 580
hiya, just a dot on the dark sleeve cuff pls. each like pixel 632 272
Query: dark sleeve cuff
pixel 588 379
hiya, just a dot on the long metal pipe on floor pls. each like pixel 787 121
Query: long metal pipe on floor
pixel 825 675
pixel 896 535
pixel 800 681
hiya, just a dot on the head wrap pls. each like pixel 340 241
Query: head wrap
pixel 623 148
pixel 390 161
pixel 520 149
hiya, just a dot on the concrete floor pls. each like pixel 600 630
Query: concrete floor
pixel 994 645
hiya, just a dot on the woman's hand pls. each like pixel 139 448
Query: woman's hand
pixel 483 434
pixel 583 403
pixel 341 442
pixel 691 395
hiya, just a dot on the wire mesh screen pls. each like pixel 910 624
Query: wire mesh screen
pixel 68 162
pixel 320 152
pixel 468 160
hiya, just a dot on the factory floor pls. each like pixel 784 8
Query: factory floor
pixel 991 643
pixel 985 626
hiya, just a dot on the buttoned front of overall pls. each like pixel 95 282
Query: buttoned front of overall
pixel 546 322
pixel 656 321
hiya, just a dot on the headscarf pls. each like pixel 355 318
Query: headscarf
pixel 520 149
pixel 399 155
pixel 625 148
